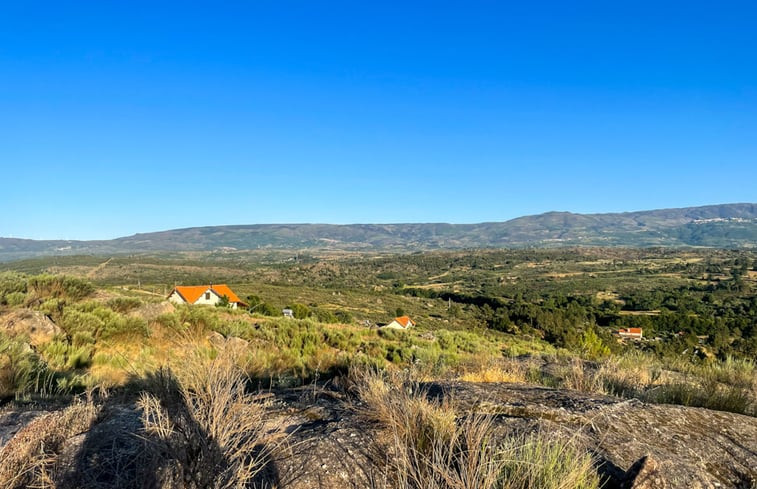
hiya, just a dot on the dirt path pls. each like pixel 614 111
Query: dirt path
pixel 93 273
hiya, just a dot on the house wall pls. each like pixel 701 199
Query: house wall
pixel 393 325
pixel 630 335
pixel 209 302
pixel 214 299
pixel 176 298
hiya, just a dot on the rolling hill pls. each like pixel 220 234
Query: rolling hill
pixel 723 226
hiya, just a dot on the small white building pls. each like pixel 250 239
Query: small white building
pixel 204 294
pixel 402 322
pixel 631 333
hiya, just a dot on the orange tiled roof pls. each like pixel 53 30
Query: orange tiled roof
pixel 630 331
pixel 191 293
pixel 404 321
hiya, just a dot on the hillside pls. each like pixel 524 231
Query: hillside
pixel 724 226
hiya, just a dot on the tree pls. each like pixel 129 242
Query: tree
pixel 223 301
pixel 300 311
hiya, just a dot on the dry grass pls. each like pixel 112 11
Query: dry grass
pixel 29 458
pixel 423 444
pixel 205 430
pixel 729 385
pixel 507 370
pixel 544 461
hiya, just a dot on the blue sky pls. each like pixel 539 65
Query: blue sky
pixel 125 117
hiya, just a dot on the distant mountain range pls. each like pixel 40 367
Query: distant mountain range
pixel 721 226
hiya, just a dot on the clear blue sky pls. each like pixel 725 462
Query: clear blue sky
pixel 125 117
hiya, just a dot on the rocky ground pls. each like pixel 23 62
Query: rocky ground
pixel 636 444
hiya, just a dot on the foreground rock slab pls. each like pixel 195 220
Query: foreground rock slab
pixel 637 445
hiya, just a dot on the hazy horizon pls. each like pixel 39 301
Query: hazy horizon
pixel 294 223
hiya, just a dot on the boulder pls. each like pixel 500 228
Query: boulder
pixel 33 325
pixel 151 311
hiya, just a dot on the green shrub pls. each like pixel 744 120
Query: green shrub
pixel 343 317
pixel 60 286
pixel 101 322
pixel 12 282
pixel 125 326
pixel 15 298
pixel 300 311
pixel 267 309
pixel 78 321
pixel 168 320
pixel 336 339
pixel 199 319
pixel 82 338
pixel 391 334
pixel 20 368
pixel 124 304
pixel 80 357
pixel 53 308
pixel 56 353
pixel 325 316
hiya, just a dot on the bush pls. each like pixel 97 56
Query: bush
pixel 56 353
pixel 324 316
pixel 343 317
pixel 124 304
pixel 267 309
pixel 46 286
pixel 53 308
pixel 422 444
pixel 20 368
pixel 80 357
pixel 11 282
pixel 300 311
pixel 75 321
pixel 15 298
pixel 82 338
pixel 199 319
pixel 391 334
pixel 101 322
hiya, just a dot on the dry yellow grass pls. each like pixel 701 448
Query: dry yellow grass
pixel 493 373
pixel 204 428
pixel 28 459
pixel 426 445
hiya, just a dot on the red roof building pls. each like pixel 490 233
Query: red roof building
pixel 204 294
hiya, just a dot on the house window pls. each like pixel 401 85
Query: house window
pixel 207 296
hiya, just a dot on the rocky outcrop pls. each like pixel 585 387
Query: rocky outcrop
pixel 31 325
pixel 690 447
pixel 151 311
pixel 636 445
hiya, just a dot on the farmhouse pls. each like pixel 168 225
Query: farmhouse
pixel 402 322
pixel 630 333
pixel 204 294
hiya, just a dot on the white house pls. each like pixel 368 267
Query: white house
pixel 402 322
pixel 204 294
pixel 631 333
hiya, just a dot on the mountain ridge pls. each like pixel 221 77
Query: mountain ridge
pixel 721 225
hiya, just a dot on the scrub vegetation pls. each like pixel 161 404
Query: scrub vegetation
pixel 543 317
